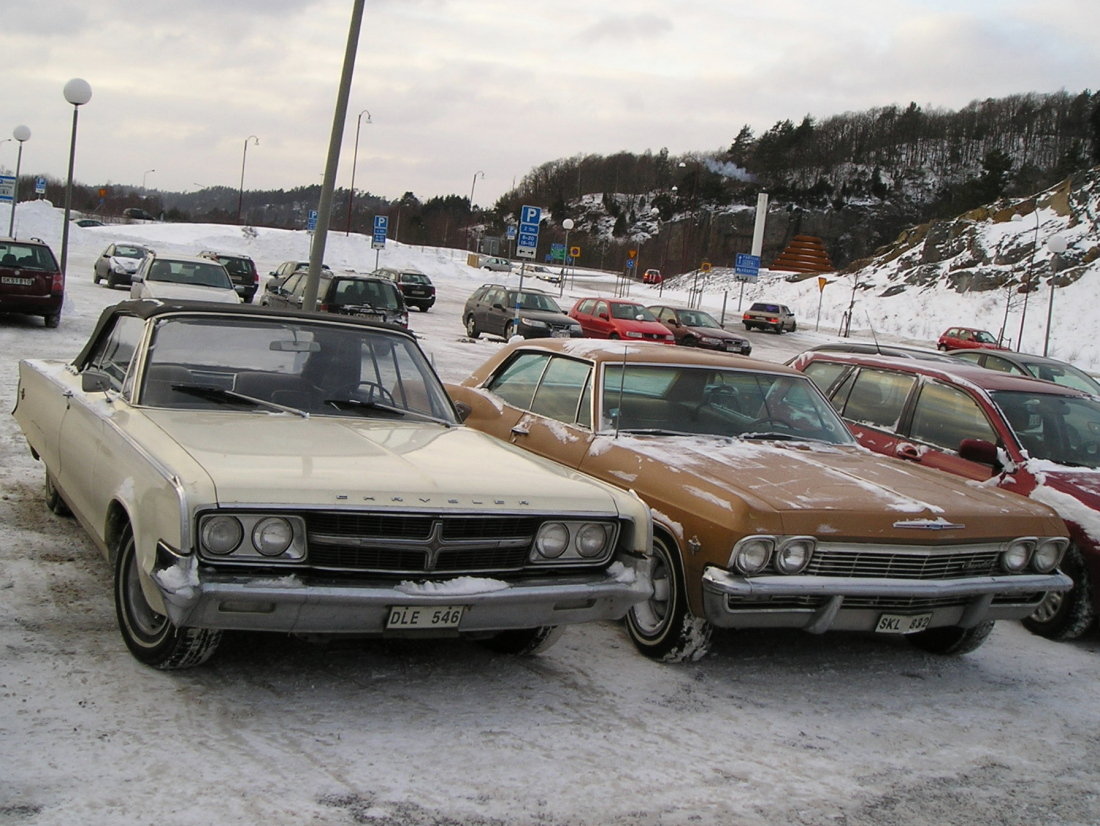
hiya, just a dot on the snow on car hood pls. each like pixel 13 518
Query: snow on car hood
pixel 126 264
pixel 170 291
pixel 328 460
pixel 815 488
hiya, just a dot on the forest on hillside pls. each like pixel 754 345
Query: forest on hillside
pixel 855 179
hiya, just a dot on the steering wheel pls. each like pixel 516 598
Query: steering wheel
pixel 371 391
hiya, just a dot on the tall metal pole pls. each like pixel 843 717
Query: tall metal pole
pixel 472 184
pixel 244 157
pixel 20 133
pixel 354 160
pixel 77 92
pixel 324 207
pixel 1027 281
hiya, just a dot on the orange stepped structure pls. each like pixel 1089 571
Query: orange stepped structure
pixel 805 253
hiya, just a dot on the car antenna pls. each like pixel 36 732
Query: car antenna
pixel 622 383
pixel 871 325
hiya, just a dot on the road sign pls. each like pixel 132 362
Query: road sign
pixel 510 233
pixel 311 220
pixel 39 186
pixel 557 252
pixel 574 252
pixel 528 241
pixel 747 265
pixel 7 187
pixel 381 230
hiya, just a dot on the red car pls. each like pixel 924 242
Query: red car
pixel 1029 436
pixel 31 281
pixel 967 338
pixel 616 318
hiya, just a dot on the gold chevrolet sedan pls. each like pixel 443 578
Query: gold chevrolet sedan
pixel 767 514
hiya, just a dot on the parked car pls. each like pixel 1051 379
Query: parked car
pixel 288 268
pixel 415 286
pixel 262 470
pixel 697 328
pixel 766 315
pixel 138 214
pixel 1028 436
pixel 182 277
pixel 496 264
pixel 118 262
pixel 617 318
pixel 375 299
pixel 1028 364
pixel 500 311
pixel 242 272
pixel 31 282
pixel 88 222
pixel 767 514
pixel 652 276
pixel 967 338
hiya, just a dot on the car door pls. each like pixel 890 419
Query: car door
pixel 103 263
pixel 493 310
pixel 872 401
pixel 942 416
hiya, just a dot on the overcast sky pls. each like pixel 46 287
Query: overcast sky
pixel 454 87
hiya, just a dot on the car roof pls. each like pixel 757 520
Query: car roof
pixel 960 373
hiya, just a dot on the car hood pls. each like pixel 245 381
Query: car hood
pixel 550 317
pixel 193 292
pixel 1073 492
pixel 716 332
pixel 813 488
pixel 128 264
pixel 323 460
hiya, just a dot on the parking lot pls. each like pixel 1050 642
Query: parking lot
pixel 776 727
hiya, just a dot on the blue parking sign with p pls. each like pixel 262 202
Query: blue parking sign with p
pixel 528 241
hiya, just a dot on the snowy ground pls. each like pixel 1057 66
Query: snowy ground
pixel 772 728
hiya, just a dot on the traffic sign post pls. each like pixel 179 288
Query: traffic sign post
pixel 528 238
pixel 7 187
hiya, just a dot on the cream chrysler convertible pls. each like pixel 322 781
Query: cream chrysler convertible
pixel 246 468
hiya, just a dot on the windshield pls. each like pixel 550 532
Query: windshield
pixel 190 272
pixel 322 369
pixel 717 402
pixel 26 256
pixel 635 312
pixel 1062 429
pixel 414 278
pixel 984 337
pixel 534 301
pixel 129 252
pixel 697 318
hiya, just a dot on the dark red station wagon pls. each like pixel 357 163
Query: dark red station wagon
pixel 1035 438
pixel 31 282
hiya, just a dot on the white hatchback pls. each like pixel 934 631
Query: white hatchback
pixel 183 277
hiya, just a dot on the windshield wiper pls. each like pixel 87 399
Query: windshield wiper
pixel 654 431
pixel 361 405
pixel 215 393
pixel 774 436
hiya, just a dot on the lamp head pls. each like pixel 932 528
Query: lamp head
pixel 77 91
pixel 21 133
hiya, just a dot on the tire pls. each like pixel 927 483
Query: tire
pixel 941 348
pixel 1069 615
pixel 748 328
pixel 111 283
pixel 951 640
pixel 614 336
pixel 524 642
pixel 53 498
pixel 794 326
pixel 471 327
pixel 151 637
pixel 687 341
pixel 779 329
pixel 663 626
pixel 52 320
pixel 95 277
pixel 510 329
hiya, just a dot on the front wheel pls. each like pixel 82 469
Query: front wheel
pixel 95 277
pixel 524 641
pixel 1065 616
pixel 53 498
pixel 471 327
pixel 663 626
pixel 150 636
pixel 951 640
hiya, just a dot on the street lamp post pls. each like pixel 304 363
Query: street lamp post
pixel 1057 245
pixel 354 160
pixel 1027 280
pixel 244 156
pixel 145 175
pixel 20 133
pixel 567 225
pixel 77 92
pixel 472 184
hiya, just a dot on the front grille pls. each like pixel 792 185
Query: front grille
pixel 908 564
pixel 419 543
pixel 880 603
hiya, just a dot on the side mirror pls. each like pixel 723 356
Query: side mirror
pixel 978 450
pixel 137 279
pixel 605 316
pixel 94 381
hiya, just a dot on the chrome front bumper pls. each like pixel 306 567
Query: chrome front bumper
pixel 732 601
pixel 319 604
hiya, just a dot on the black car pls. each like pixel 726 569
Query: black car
pixel 242 272
pixel 372 298
pixel 500 311
pixel 417 288
pixel 31 282
pixel 696 328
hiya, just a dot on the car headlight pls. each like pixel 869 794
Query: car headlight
pixel 1048 554
pixel 552 540
pixel 533 322
pixel 710 341
pixel 1015 557
pixel 574 541
pixel 221 534
pixel 752 554
pixel 272 535
pixel 794 554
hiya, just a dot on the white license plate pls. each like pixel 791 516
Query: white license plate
pixel 559 334
pixel 902 623
pixel 11 279
pixel 416 617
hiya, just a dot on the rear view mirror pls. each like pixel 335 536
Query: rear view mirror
pixel 978 450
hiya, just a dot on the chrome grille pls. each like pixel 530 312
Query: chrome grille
pixel 418 543
pixel 908 563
